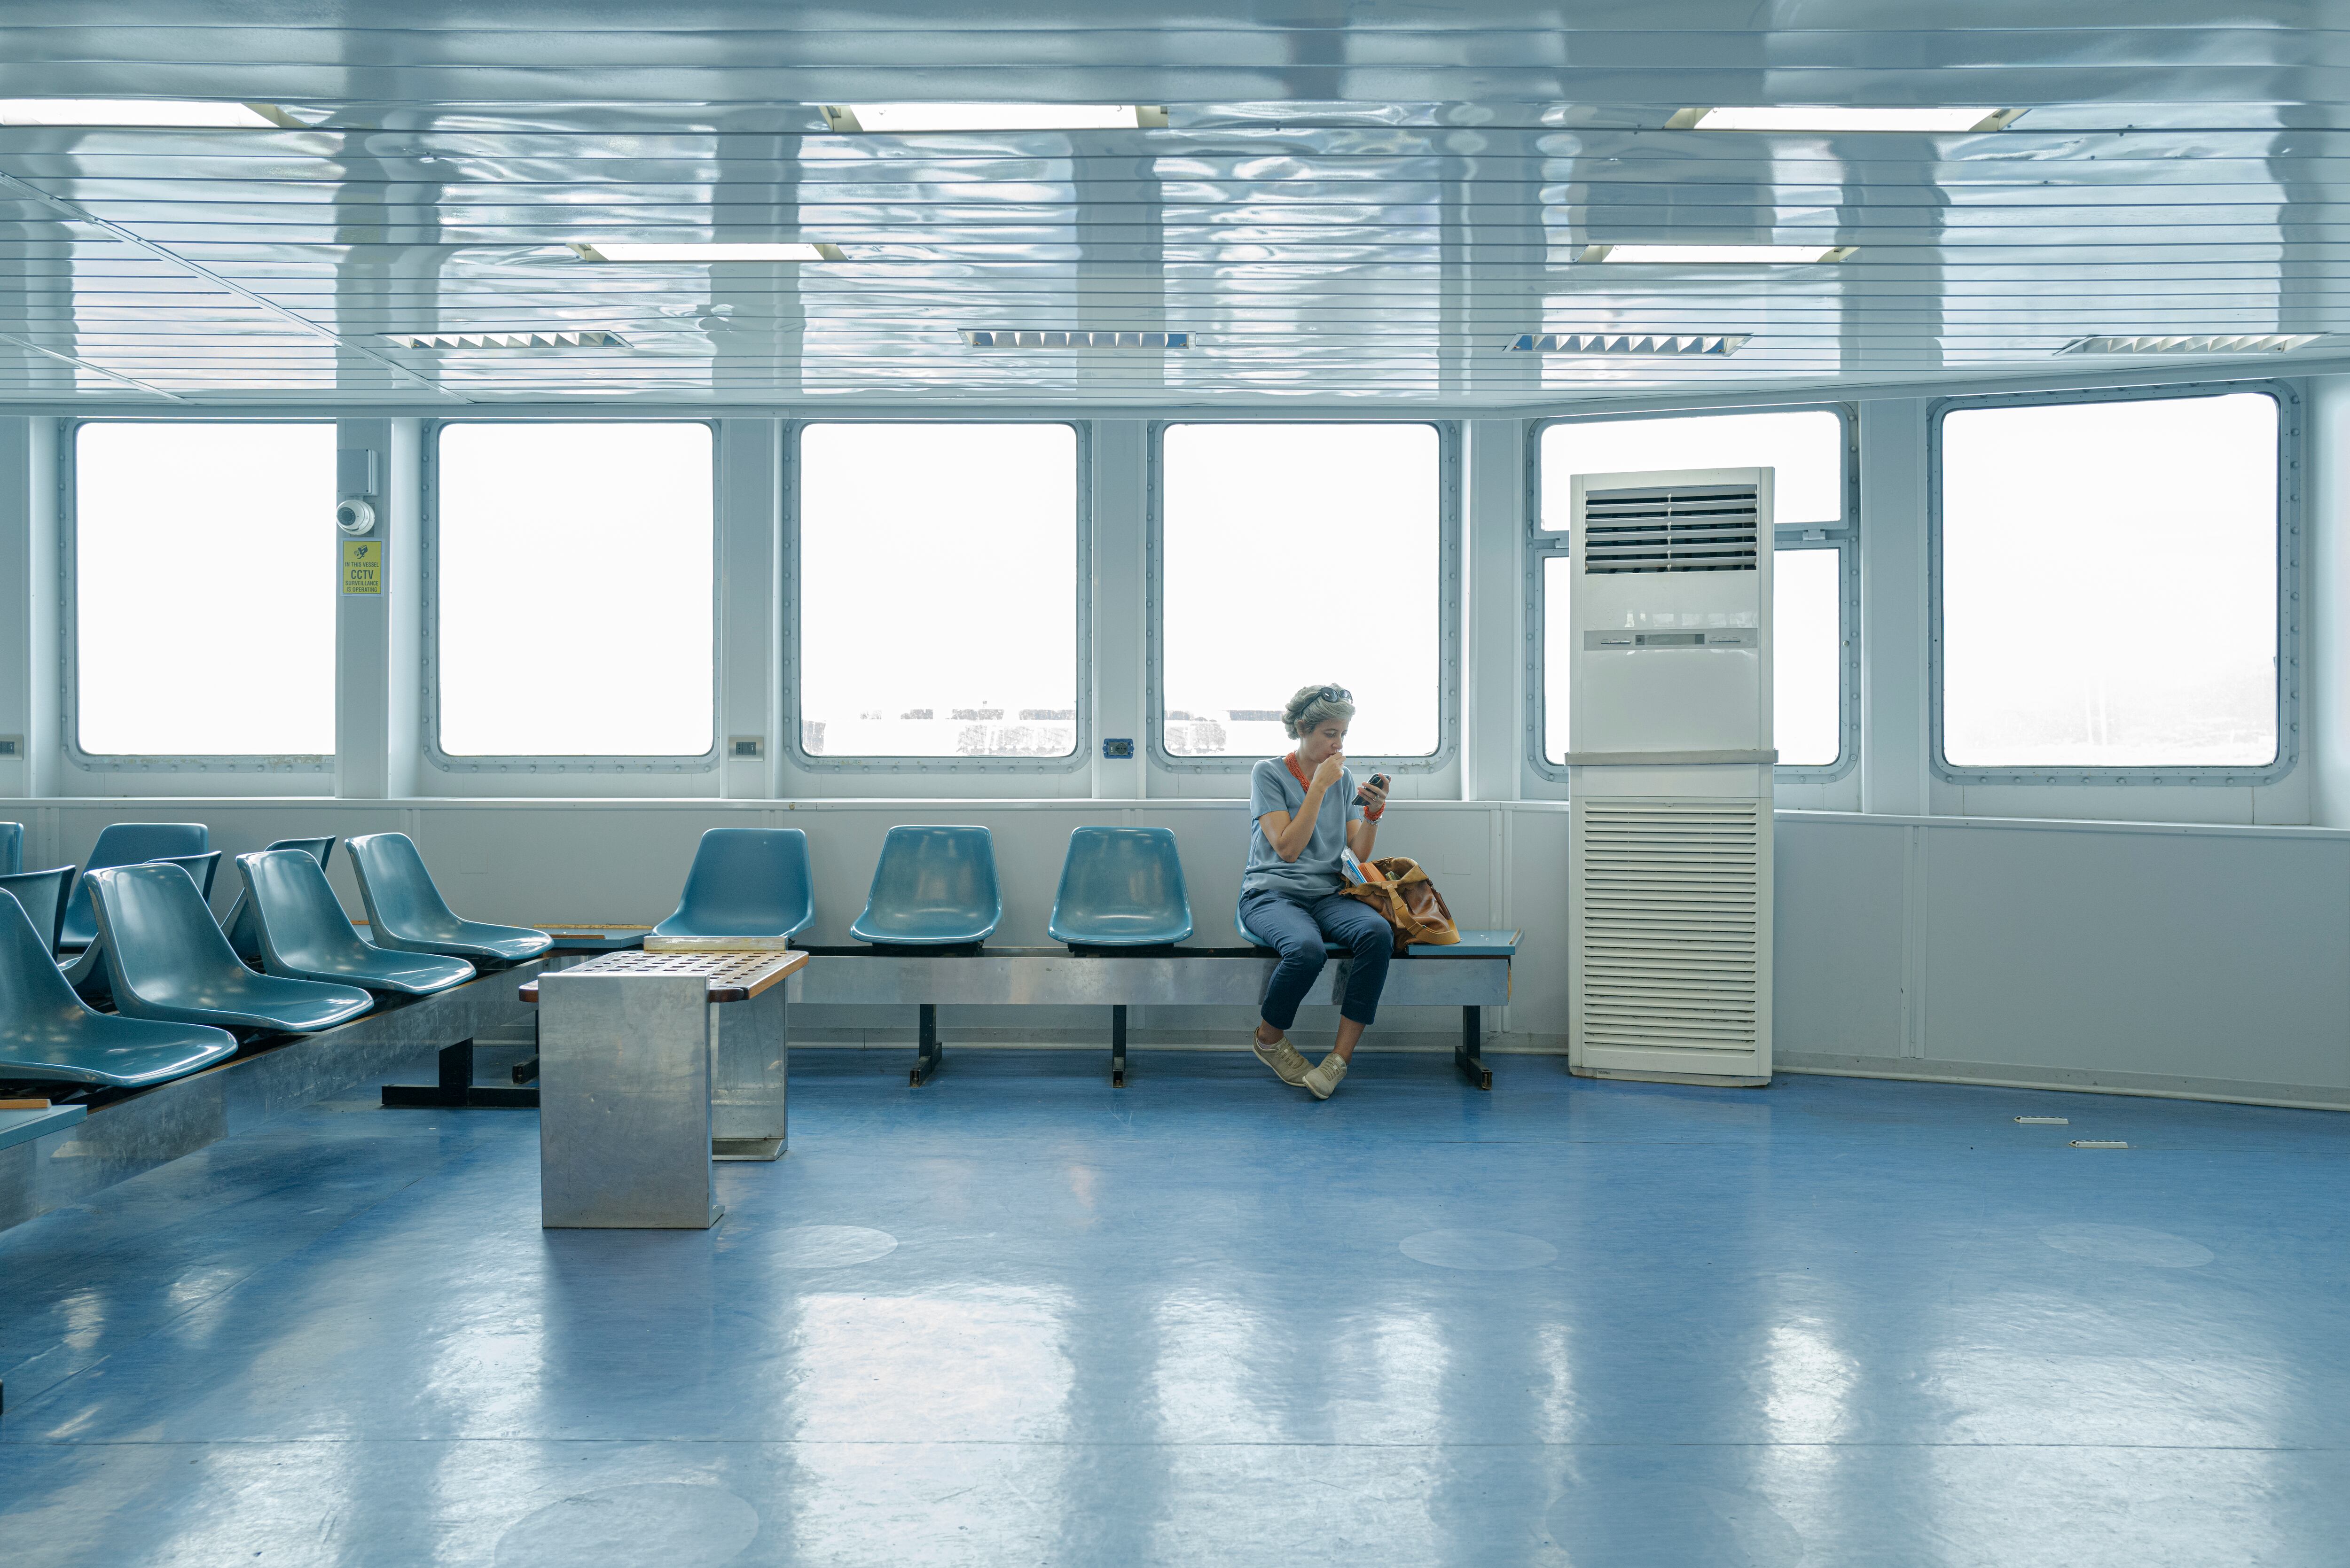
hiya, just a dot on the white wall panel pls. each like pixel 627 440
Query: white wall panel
pixel 2152 951
pixel 1837 965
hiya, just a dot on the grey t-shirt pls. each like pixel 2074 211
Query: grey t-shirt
pixel 1315 872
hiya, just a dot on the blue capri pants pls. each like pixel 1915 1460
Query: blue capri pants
pixel 1297 928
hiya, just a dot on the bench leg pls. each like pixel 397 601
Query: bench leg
pixel 1117 1046
pixel 928 1057
pixel 1466 1055
pixel 456 1087
pixel 527 1072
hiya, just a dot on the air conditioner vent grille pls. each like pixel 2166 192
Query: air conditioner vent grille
pixel 1698 528
pixel 1671 938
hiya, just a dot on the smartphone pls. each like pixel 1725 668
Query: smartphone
pixel 1378 779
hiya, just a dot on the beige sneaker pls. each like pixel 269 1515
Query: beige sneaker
pixel 1322 1081
pixel 1282 1057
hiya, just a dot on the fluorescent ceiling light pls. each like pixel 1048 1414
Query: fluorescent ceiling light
pixel 1677 345
pixel 2240 343
pixel 713 251
pixel 443 340
pixel 142 111
pixel 1053 337
pixel 894 119
pixel 1829 117
pixel 1766 255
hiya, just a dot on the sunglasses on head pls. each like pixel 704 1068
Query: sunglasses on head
pixel 1336 694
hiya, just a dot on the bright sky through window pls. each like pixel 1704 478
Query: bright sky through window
pixel 1296 554
pixel 2109 584
pixel 938 591
pixel 180 530
pixel 1805 447
pixel 575 589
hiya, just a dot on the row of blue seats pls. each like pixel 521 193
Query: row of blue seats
pixel 180 982
pixel 137 927
pixel 936 887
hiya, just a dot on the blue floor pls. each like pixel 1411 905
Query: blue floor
pixel 1017 1318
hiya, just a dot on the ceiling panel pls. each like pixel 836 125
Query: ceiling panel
pixel 1350 201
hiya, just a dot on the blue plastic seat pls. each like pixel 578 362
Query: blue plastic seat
pixel 12 849
pixel 43 896
pixel 201 868
pixel 934 887
pixel 406 911
pixel 238 922
pixel 166 958
pixel 304 934
pixel 745 882
pixel 1121 888
pixel 47 1035
pixel 125 844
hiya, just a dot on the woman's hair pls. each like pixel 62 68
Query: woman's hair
pixel 1315 706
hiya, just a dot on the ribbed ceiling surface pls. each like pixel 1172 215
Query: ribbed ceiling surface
pixel 1350 200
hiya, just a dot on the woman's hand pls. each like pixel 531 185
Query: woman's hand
pixel 1325 777
pixel 1375 796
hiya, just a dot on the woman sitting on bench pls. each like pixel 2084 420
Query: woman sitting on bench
pixel 1309 809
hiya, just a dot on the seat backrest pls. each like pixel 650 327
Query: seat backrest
pixel 238 922
pixel 1121 874
pixel 394 884
pixel 294 912
pixel 43 896
pixel 33 989
pixel 937 874
pixel 748 881
pixel 201 868
pixel 322 850
pixel 160 937
pixel 12 849
pixel 128 844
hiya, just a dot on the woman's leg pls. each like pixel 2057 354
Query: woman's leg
pixel 1370 941
pixel 1297 938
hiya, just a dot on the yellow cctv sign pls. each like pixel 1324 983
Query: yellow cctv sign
pixel 362 565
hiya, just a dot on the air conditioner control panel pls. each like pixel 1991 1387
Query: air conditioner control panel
pixel 1636 641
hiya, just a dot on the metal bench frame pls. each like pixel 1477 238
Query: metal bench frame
pixel 1187 976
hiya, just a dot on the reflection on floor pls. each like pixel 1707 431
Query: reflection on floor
pixel 1018 1317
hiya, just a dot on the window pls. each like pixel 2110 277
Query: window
pixel 204 589
pixel 1289 555
pixel 938 594
pixel 1813 570
pixel 2107 576
pixel 573 568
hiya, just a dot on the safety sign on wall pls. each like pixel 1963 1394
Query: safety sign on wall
pixel 362 565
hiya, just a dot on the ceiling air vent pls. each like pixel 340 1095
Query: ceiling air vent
pixel 2236 343
pixel 1673 345
pixel 990 338
pixel 1702 528
pixel 543 340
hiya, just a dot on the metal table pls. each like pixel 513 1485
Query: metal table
pixel 650 1066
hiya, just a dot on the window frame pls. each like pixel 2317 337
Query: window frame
pixel 2288 583
pixel 429 586
pixel 1449 506
pixel 1080 755
pixel 68 431
pixel 1842 536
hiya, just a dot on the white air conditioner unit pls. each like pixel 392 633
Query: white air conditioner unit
pixel 1668 765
